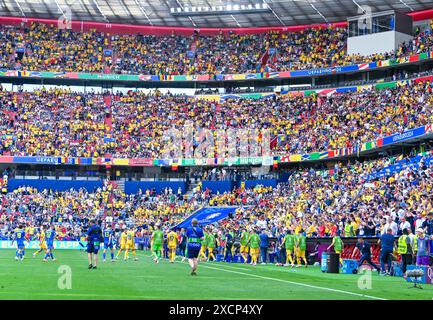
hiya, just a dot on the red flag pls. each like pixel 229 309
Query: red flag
pixel 274 143
pixel 264 58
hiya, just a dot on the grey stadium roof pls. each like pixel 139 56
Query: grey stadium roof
pixel 157 12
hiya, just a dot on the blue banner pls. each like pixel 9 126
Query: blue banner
pixel 45 160
pixel 207 216
pixel 404 136
pixel 346 89
pixel 353 67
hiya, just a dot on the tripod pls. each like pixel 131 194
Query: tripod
pixel 416 283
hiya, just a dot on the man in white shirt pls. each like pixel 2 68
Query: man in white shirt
pixel 404 224
pixel 390 224
pixel 419 220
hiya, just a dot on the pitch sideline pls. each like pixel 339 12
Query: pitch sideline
pixel 292 282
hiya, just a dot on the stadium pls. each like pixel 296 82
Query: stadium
pixel 216 150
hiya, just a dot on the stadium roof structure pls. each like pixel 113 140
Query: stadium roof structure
pixel 159 12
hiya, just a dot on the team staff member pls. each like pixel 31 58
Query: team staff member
pixel 228 253
pixel 195 236
pixel 338 245
pixel 301 248
pixel 264 246
pixel 210 246
pixel 182 243
pixel 364 247
pixel 386 242
pixel 94 238
pixel 244 245
pixel 202 254
pixel 254 244
pixel 289 243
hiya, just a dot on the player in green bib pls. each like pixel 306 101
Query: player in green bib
pixel 157 240
pixel 254 243
pixel 301 246
pixel 202 254
pixel 338 245
pixel 210 246
pixel 244 245
pixel 289 243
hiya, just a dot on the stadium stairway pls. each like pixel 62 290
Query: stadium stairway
pixel 190 189
pixel 108 120
pixel 121 185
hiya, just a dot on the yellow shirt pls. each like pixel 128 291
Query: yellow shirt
pixel 172 239
pixel 42 237
pixel 123 237
pixel 130 235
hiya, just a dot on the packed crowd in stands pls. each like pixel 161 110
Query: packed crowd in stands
pixel 40 47
pixel 58 122
pixel 344 199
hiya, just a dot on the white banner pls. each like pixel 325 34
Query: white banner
pixel 35 245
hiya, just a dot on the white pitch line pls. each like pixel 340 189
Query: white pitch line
pixel 225 266
pixel 298 283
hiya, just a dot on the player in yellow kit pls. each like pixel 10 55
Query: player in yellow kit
pixel 123 237
pixel 42 241
pixel 172 245
pixel 130 244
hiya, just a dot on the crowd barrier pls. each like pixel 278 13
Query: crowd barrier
pixel 55 185
pixel 132 187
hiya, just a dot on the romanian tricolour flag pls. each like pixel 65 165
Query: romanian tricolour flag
pixel 175 165
pixel 275 162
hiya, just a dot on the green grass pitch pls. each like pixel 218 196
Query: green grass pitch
pixel 143 279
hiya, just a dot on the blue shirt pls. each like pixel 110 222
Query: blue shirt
pixel 108 235
pixel 94 233
pixel 194 233
pixel 50 234
pixel 429 225
pixel 422 247
pixel 364 248
pixel 20 236
pixel 387 242
pixel 264 240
